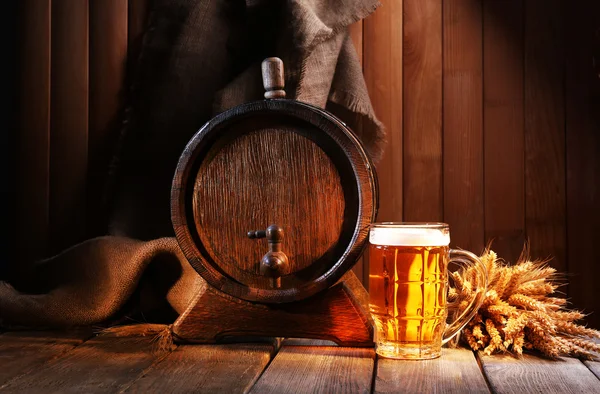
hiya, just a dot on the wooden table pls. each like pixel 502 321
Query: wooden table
pixel 81 362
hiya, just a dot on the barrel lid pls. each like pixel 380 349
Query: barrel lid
pixel 273 162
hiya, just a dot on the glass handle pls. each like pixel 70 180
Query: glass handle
pixel 467 259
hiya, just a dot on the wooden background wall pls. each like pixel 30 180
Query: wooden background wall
pixel 491 108
pixel 493 116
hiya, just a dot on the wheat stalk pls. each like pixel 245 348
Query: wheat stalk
pixel 520 312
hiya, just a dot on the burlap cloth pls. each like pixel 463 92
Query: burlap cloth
pixel 198 58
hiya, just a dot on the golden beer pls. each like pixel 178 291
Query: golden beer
pixel 407 288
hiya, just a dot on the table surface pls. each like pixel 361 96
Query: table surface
pixel 84 362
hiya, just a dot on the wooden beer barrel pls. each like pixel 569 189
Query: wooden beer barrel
pixel 281 170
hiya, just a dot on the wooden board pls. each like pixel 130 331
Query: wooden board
pixel 316 369
pixel 583 157
pixel 532 374
pixel 503 127
pixel 463 123
pixel 382 66
pixel 545 131
pixel 593 366
pixel 137 17
pixel 422 83
pixel 24 352
pixel 207 369
pixel 453 372
pixel 108 60
pixel 307 342
pixel 69 123
pixel 33 137
pixel 100 365
pixel 356 33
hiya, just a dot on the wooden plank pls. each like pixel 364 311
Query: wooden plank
pixel 307 342
pixel 24 352
pixel 100 365
pixel 583 156
pixel 10 24
pixel 533 374
pixel 593 366
pixel 453 372
pixel 382 57
pixel 382 69
pixel 207 369
pixel 69 122
pixel 137 16
pixel 33 136
pixel 423 186
pixel 318 369
pixel 356 33
pixel 108 59
pixel 545 131
pixel 503 127
pixel 463 123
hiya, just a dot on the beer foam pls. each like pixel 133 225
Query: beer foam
pixel 409 236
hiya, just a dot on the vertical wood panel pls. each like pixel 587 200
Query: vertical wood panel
pixel 356 34
pixel 545 131
pixel 382 67
pixel 9 25
pixel 583 155
pixel 69 122
pixel 422 84
pixel 137 15
pixel 463 123
pixel 33 137
pixel 383 74
pixel 503 126
pixel 108 55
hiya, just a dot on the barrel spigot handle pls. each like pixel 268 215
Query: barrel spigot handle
pixel 275 263
pixel 273 80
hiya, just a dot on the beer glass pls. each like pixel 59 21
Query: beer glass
pixel 408 285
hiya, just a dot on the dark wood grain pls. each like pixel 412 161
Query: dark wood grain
pixel 273 162
pixel 100 365
pixel 454 372
pixel 583 156
pixel 254 178
pixel 504 169
pixel 33 137
pixel 339 314
pixel 69 122
pixel 382 67
pixel 545 131
pixel 108 62
pixel 463 123
pixel 24 352
pixel 533 374
pixel 422 64
pixel 229 368
pixel 138 12
pixel 356 34
pixel 318 369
